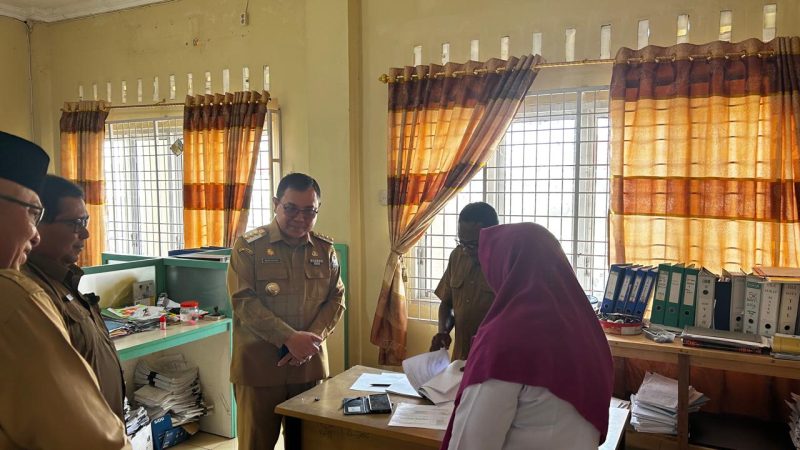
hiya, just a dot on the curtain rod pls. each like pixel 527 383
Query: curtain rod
pixel 159 103
pixel 384 78
pixel 147 105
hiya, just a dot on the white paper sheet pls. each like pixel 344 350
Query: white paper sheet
pixel 425 366
pixel 421 416
pixel 367 381
pixel 403 387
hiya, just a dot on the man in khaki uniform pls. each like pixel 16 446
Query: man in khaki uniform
pixel 465 295
pixel 52 266
pixel 50 398
pixel 287 297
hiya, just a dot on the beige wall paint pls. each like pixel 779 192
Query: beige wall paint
pixel 306 45
pixel 391 31
pixel 325 57
pixel 15 103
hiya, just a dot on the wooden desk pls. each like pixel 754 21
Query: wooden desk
pixel 638 347
pixel 325 427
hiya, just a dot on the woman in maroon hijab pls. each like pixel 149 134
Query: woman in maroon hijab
pixel 539 374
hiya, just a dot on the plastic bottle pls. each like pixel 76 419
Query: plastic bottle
pixel 190 312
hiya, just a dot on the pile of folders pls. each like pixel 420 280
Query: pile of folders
pixel 763 302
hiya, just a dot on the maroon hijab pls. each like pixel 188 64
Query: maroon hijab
pixel 540 330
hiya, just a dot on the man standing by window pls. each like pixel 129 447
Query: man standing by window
pixel 50 397
pixel 463 290
pixel 52 266
pixel 287 297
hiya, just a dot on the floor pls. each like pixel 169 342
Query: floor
pixel 206 441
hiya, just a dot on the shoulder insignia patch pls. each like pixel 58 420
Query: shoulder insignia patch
pixel 254 235
pixel 322 237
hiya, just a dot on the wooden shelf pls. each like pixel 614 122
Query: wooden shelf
pixel 715 431
pixel 638 347
pixel 708 429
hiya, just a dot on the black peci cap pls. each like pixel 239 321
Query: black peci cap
pixel 22 161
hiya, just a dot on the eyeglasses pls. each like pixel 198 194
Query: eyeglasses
pixel 293 211
pixel 77 224
pixel 470 245
pixel 35 211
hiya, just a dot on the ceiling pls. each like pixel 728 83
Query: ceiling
pixel 54 10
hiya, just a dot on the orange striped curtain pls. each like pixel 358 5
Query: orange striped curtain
pixel 221 136
pixel 444 124
pixel 704 154
pixel 705 166
pixel 82 134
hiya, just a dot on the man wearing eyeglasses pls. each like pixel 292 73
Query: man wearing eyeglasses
pixel 465 296
pixel 287 294
pixel 50 398
pixel 52 265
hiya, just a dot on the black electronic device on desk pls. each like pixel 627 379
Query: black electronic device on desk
pixel 368 404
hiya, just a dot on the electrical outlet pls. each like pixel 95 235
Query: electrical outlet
pixel 244 19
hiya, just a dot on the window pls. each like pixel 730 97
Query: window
pixel 144 184
pixel 552 168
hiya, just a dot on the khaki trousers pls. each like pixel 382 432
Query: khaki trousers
pixel 258 427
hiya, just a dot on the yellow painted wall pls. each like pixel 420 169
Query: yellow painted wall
pixel 391 30
pixel 305 43
pixel 15 102
pixel 325 57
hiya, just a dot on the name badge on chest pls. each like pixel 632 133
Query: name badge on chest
pixel 315 260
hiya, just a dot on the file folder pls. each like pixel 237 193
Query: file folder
pixel 660 296
pixel 647 290
pixel 625 289
pixel 615 276
pixel 737 298
pixel 752 303
pixel 704 312
pixel 790 297
pixel 636 290
pixel 674 294
pixel 722 305
pixel 769 308
pixel 687 309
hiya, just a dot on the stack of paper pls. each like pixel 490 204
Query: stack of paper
pixel 724 340
pixel 655 406
pixel 170 385
pixel 430 375
pixel 794 419
pixel 135 419
pixel 131 319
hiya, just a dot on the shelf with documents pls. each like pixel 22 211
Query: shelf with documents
pixel 207 345
pixel 638 347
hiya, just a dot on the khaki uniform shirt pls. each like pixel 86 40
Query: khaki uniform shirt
pixel 464 289
pixel 305 293
pixel 85 326
pixel 50 397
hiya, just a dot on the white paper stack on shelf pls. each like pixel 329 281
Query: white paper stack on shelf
pixel 135 419
pixel 169 384
pixel 655 406
pixel 794 419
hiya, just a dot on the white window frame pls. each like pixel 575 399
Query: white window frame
pixel 582 228
pixel 133 225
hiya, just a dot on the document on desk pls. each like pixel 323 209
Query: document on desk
pixel 376 382
pixel 421 416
